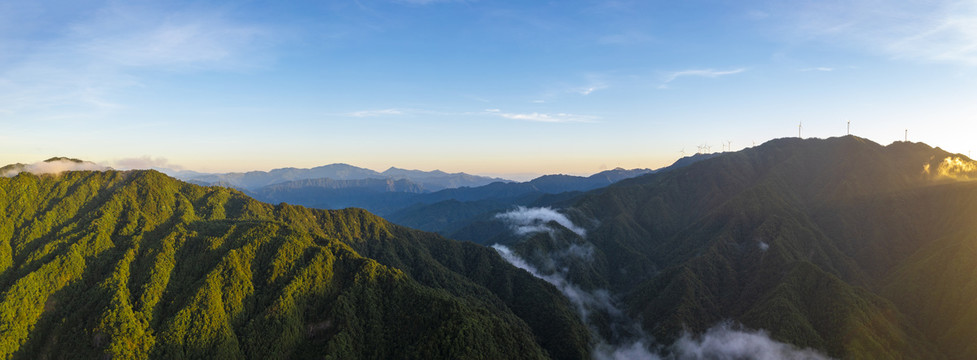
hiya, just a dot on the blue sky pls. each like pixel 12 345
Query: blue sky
pixel 487 87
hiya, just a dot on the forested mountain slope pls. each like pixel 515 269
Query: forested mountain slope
pixel 136 264
pixel 841 245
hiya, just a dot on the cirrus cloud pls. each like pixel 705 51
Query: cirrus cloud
pixel 706 73
pixel 80 64
pixel 546 117
pixel 931 31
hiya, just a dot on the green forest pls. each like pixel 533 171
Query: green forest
pixel 134 265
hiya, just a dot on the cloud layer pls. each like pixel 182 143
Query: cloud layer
pixel 55 167
pixel 724 342
pixel 525 220
pixel 953 167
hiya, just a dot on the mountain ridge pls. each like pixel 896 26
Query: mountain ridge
pixel 253 180
pixel 136 264
pixel 807 239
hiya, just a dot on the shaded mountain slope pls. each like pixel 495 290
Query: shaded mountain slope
pixel 840 244
pixel 136 264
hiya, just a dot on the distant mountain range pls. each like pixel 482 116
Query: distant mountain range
pixel 455 212
pixel 254 180
pixel 402 200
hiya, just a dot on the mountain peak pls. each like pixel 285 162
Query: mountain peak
pixel 63 158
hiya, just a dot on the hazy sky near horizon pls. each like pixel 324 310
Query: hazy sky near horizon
pixel 485 87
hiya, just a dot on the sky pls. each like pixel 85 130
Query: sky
pixel 504 88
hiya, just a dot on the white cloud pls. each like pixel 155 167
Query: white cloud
pixel 544 117
pixel 534 116
pixel 56 167
pixel 584 301
pixel 589 89
pixel 375 113
pixel 528 220
pixel 707 73
pixel 821 68
pixel 724 342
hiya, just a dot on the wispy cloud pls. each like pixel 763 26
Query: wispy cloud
pixel 525 220
pixel 932 31
pixel 492 112
pixel 95 54
pixel 625 38
pixel 589 89
pixel 757 15
pixel 376 113
pixel 821 68
pixel 144 37
pixel 593 82
pixel 426 2
pixel 545 117
pixel 707 73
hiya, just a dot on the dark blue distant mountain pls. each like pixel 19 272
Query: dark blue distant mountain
pixel 254 180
